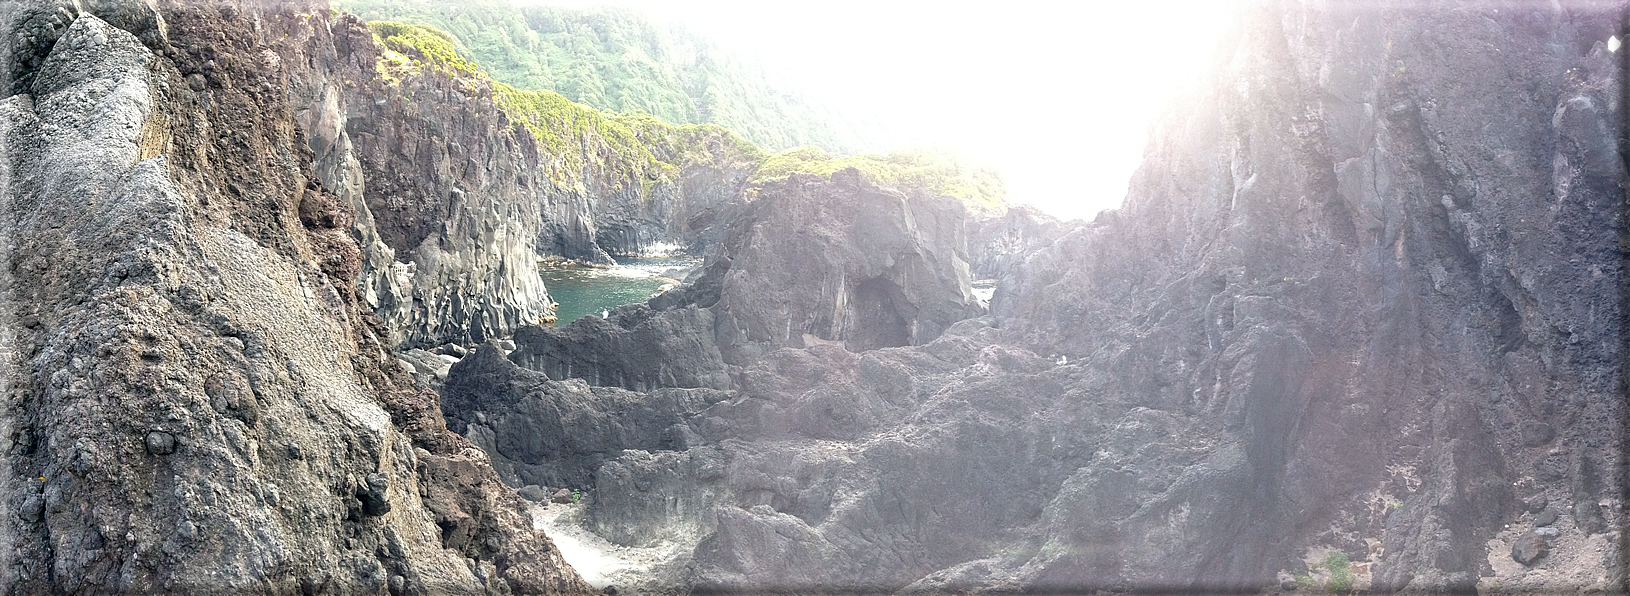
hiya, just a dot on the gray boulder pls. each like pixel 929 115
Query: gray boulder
pixel 533 493
pixel 636 348
pixel 1528 548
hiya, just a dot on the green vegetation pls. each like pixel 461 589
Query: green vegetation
pixel 1305 581
pixel 425 45
pixel 1341 573
pixel 634 143
pixel 615 60
pixel 1340 576
pixel 932 171
pixel 616 149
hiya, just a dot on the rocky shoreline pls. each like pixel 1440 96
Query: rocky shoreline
pixel 271 306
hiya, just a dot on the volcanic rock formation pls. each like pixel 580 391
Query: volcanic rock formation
pixel 194 399
pixel 1362 305
pixel 456 199
pixel 1360 322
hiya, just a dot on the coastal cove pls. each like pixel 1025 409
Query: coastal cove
pixel 580 291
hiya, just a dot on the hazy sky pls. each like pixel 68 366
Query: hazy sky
pixel 1057 96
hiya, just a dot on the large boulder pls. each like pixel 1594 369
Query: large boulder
pixel 557 433
pixel 636 349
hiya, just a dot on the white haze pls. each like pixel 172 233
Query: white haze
pixel 1057 96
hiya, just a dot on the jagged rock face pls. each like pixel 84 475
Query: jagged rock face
pixel 449 215
pixel 1381 261
pixel 456 202
pixel 637 349
pixel 551 433
pixel 839 260
pixel 997 245
pixel 811 261
pixel 195 402
pixel 1365 298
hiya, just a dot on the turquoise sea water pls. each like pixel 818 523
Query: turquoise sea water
pixel 583 291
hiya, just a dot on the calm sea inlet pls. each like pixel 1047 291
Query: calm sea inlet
pixel 584 291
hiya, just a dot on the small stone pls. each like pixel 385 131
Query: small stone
pixel 187 530
pixel 160 443
pixel 1548 532
pixel 1545 518
pixel 534 493
pixel 294 451
pixel 562 496
pixel 397 584
pixel 196 81
pixel 1536 503
pixel 1529 548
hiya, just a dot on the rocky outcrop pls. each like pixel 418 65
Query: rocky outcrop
pixel 862 266
pixel 1345 317
pixel 815 261
pixel 556 433
pixel 636 348
pixel 997 244
pixel 458 191
pixel 195 400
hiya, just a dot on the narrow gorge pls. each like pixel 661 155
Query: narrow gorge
pixel 271 322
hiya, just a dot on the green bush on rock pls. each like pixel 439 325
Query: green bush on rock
pixel 932 171
pixel 1341 572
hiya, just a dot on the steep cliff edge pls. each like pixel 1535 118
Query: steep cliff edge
pixel 195 400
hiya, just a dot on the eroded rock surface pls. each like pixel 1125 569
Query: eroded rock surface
pixel 636 348
pixel 843 261
pixel 1363 299
pixel 997 245
pixel 455 201
pixel 195 401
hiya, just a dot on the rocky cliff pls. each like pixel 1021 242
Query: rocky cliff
pixel 461 184
pixel 196 401
pixel 1358 326
pixel 997 244
pixel 1380 267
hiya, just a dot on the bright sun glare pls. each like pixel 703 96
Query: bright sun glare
pixel 1058 97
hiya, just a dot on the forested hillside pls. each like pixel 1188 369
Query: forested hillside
pixel 613 59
